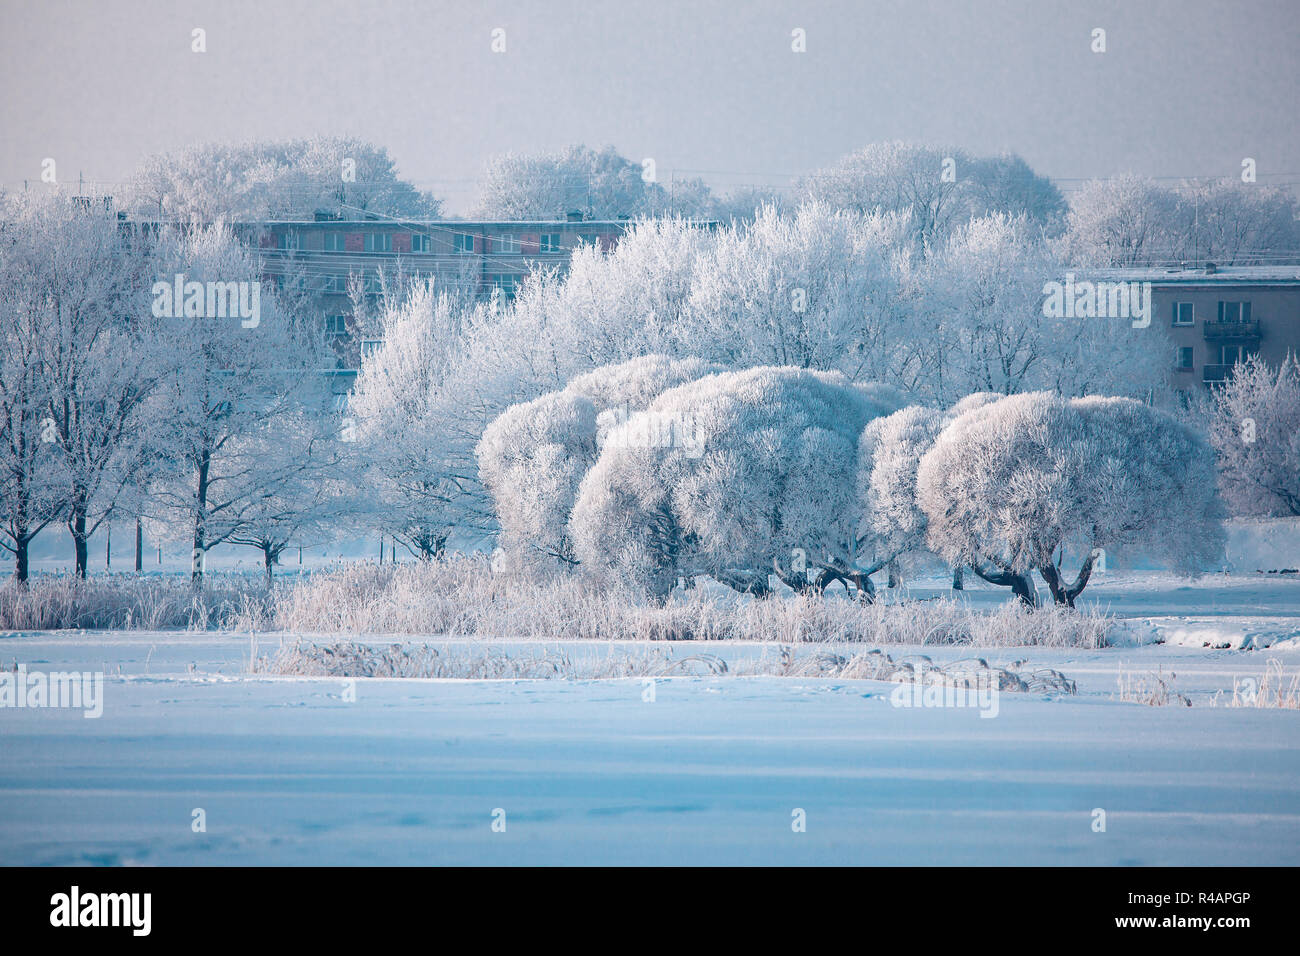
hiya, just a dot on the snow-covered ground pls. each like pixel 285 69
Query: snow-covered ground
pixel 712 770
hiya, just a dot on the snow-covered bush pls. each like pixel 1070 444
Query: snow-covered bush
pixel 1011 487
pixel 745 472
pixel 534 455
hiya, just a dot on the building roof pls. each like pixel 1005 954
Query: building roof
pixel 1221 276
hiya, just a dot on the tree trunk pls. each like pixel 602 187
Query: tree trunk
pixel 139 546
pixel 895 577
pixel 746 582
pixel 22 547
pixel 958 582
pixel 1022 585
pixel 268 559
pixel 1064 594
pixel 80 545
pixel 200 525
pixel 77 525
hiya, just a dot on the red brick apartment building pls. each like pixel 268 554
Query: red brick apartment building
pixel 1218 316
pixel 484 256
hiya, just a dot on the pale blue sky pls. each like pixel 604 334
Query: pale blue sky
pixel 1185 88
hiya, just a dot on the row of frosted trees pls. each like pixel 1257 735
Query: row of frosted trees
pixel 654 472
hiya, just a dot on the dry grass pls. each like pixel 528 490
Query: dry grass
pixel 123 602
pixel 1152 689
pixel 461 597
pixel 347 659
pixel 1273 689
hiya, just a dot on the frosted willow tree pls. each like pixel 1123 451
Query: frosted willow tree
pixel 892 526
pixel 1014 486
pixel 735 475
pixel 228 379
pixel 1255 430
pixel 416 427
pixel 534 455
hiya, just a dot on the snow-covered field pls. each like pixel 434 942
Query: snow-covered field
pixel 712 770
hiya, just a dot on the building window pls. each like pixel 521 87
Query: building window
pixel 1184 314
pixel 379 242
pixel 336 285
pixel 1185 358
pixel 287 240
pixel 506 283
pixel 550 242
pixel 462 243
pixel 334 242
pixel 507 244
pixel 336 325
pixel 419 243
pixel 1234 311
pixel 1232 354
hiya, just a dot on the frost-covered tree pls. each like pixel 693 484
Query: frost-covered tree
pixel 1126 221
pixel 87 283
pixel 601 184
pixel 1006 185
pixel 316 496
pixel 1016 485
pixel 817 289
pixel 981 325
pixel 1234 223
pixel 892 525
pixel 1131 221
pixel 228 378
pixel 33 479
pixel 533 457
pixel 275 180
pixel 1255 430
pixel 416 426
pixel 733 475
pixel 938 188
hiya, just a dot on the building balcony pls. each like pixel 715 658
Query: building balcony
pixel 1248 330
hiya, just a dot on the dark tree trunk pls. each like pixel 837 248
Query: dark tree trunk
pixel 1064 594
pixel 746 582
pixel 200 525
pixel 958 582
pixel 80 543
pixel 268 559
pixel 22 550
pixel 139 546
pixel 1022 585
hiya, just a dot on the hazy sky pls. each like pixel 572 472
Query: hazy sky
pixel 712 88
